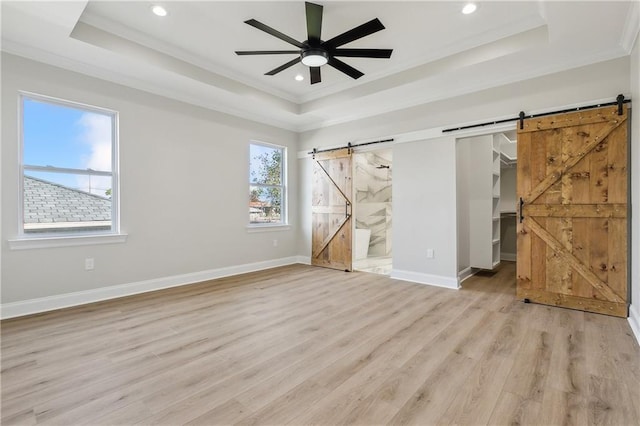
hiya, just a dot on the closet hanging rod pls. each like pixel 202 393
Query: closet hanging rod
pixel 620 100
pixel 349 145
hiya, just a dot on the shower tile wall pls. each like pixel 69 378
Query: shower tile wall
pixel 373 199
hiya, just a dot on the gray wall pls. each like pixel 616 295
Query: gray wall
pixel 184 194
pixel 424 206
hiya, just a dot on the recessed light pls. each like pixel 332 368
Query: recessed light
pixel 159 10
pixel 299 77
pixel 469 8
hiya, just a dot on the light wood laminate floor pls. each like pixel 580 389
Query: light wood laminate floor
pixel 305 345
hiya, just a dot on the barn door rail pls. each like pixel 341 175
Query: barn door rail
pixel 620 100
pixel 348 145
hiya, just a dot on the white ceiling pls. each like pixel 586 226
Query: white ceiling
pixel 437 51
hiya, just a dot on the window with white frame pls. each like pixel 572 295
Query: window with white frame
pixel 267 190
pixel 68 163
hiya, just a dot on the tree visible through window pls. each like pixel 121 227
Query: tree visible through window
pixel 68 158
pixel 266 184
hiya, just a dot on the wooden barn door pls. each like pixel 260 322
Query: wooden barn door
pixel 331 210
pixel 572 238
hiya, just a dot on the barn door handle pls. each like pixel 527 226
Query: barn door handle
pixel 521 217
pixel 346 209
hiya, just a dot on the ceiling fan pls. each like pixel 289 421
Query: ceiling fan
pixel 314 52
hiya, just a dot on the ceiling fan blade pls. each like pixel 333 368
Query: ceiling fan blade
pixel 283 67
pixel 314 74
pixel 363 30
pixel 314 22
pixel 267 29
pixel 363 53
pixel 266 52
pixel 345 68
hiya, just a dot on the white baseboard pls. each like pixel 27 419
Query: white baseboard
pixel 464 274
pixel 511 257
pixel 428 279
pixel 43 304
pixel 305 260
pixel 634 320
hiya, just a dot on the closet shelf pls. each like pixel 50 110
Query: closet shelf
pixel 484 183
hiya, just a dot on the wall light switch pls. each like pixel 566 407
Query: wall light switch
pixel 430 253
pixel 88 264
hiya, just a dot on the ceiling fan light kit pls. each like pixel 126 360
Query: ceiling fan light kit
pixel 315 52
pixel 314 57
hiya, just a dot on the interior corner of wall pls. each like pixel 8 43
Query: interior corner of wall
pixel 634 320
pixel 427 279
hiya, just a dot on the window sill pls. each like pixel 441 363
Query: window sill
pixel 66 241
pixel 268 228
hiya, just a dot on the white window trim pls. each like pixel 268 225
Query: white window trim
pixel 267 227
pixel 66 241
pixel 284 211
pixel 58 239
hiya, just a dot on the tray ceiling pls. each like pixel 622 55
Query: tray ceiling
pixel 437 51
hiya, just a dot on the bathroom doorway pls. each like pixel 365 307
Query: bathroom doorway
pixel 372 249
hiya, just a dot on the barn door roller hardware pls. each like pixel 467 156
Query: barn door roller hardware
pixel 620 100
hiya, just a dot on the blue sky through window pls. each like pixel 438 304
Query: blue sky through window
pixel 52 135
pixel 66 137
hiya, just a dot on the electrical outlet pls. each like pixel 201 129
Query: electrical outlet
pixel 430 254
pixel 275 243
pixel 89 264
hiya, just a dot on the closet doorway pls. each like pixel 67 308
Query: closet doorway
pixel 486 201
pixel 372 248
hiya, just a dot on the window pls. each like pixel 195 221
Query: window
pixel 68 159
pixel 267 184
